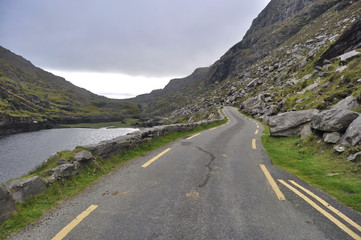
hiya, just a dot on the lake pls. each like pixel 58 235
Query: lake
pixel 22 152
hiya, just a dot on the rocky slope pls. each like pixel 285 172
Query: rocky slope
pixel 31 99
pixel 279 65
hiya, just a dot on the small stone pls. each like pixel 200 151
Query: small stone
pixel 332 174
pixel 341 69
pixel 354 157
pixel 333 137
pixel 61 161
pixel 339 148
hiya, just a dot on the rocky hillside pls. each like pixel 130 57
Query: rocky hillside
pixel 31 98
pixel 290 59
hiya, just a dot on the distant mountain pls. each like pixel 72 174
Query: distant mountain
pixel 31 98
pixel 273 69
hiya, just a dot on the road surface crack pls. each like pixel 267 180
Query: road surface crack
pixel 209 166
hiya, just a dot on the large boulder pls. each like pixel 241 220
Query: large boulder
pixel 22 189
pixel 290 123
pixel 7 203
pixel 333 120
pixel 346 104
pixel 352 135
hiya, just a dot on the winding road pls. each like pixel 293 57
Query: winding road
pixel 217 184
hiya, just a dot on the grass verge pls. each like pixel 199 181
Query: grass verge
pixel 32 209
pixel 317 163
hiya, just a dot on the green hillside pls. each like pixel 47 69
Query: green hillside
pixel 32 96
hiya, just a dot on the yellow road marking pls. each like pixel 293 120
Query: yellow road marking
pixel 272 182
pixel 256 132
pixel 155 158
pixel 257 126
pixel 193 136
pixel 66 230
pixel 326 204
pixel 326 214
pixel 213 129
pixel 254 146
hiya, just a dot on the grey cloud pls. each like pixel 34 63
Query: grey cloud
pixel 138 37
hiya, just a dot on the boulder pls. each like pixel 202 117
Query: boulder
pixel 7 203
pixel 83 156
pixel 355 157
pixel 346 104
pixel 352 135
pixel 339 148
pixel 63 171
pixel 290 123
pixel 333 120
pixel 22 189
pixel 332 137
pixel 306 131
pixel 346 57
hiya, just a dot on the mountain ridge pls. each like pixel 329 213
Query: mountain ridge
pixel 283 42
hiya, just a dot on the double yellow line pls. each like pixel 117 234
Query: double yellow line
pixel 322 211
pixel 338 223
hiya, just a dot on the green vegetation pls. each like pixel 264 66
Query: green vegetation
pixel 331 89
pixel 316 163
pixel 35 207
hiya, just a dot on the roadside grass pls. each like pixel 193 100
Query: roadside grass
pixel 35 207
pixel 128 122
pixel 317 163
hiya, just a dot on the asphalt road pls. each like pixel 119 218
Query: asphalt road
pixel 207 186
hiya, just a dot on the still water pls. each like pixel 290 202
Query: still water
pixel 20 153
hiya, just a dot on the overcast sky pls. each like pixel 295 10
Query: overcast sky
pixel 121 48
